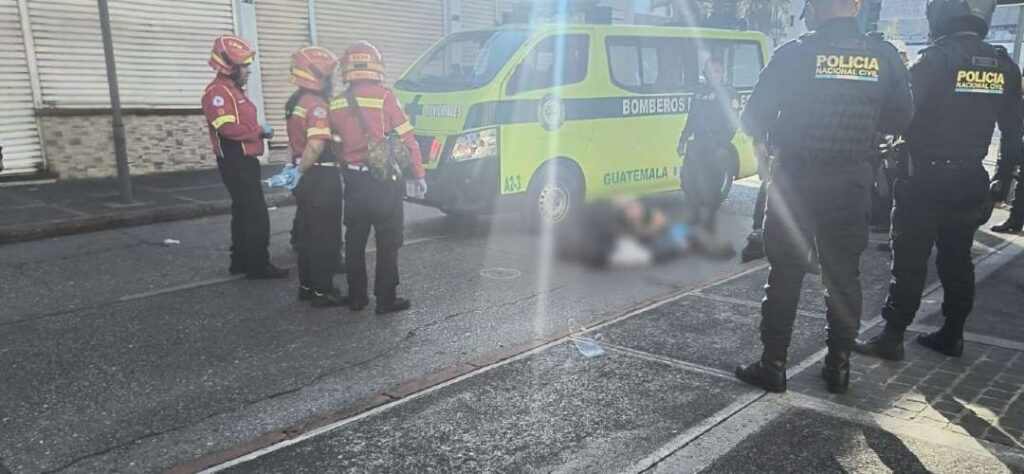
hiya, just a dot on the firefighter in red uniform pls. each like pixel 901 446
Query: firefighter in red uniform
pixel 370 203
pixel 318 193
pixel 237 138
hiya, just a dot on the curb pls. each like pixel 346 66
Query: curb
pixel 128 219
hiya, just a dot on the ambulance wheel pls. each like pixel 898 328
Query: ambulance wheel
pixel 554 197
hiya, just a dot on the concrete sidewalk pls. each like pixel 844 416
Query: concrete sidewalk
pixel 662 398
pixel 47 209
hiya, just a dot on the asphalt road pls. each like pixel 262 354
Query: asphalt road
pixel 121 354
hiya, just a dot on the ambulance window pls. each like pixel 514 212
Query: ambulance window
pixel 651 65
pixel 742 61
pixel 556 61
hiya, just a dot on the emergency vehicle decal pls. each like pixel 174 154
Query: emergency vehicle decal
pixel 980 82
pixel 526 111
pixel 846 67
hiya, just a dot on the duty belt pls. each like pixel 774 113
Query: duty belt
pixel 362 168
pixel 329 164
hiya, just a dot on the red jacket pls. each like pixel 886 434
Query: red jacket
pixel 232 119
pixel 309 120
pixel 383 114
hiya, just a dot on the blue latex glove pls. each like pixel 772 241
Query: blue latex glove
pixel 266 131
pixel 421 187
pixel 293 175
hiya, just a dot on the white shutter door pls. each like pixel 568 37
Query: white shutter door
pixel 283 27
pixel 161 48
pixel 477 14
pixel 18 130
pixel 400 29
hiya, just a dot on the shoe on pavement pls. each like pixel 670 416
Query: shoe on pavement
pixel 769 375
pixel 940 341
pixel 836 371
pixel 888 346
pixel 398 304
pixel 357 303
pixel 754 249
pixel 305 293
pixel 268 272
pixel 1008 227
pixel 330 299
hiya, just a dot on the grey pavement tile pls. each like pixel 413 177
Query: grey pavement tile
pixel 708 332
pixel 555 410
pixel 806 441
pixel 965 397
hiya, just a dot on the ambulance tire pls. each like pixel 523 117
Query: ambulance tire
pixel 554 199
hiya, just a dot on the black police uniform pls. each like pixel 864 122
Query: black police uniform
pixel 824 97
pixel 709 154
pixel 962 87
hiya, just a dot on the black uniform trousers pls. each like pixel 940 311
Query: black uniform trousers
pixel 370 204
pixel 941 207
pixel 1017 207
pixel 250 221
pixel 703 177
pixel 760 204
pixel 823 208
pixel 318 200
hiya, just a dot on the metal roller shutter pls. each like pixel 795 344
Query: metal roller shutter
pixel 161 50
pixel 283 28
pixel 18 129
pixel 401 29
pixel 478 14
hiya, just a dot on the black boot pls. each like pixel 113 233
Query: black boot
pixel 357 303
pixel 1011 226
pixel 888 345
pixel 393 306
pixel 836 371
pixel 330 299
pixel 754 249
pixel 948 341
pixel 767 374
pixel 305 293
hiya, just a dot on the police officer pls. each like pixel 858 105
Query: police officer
pixel 237 138
pixel 824 98
pixel 706 144
pixel 363 115
pixel 962 87
pixel 318 193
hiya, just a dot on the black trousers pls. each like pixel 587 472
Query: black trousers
pixel 318 199
pixel 297 225
pixel 370 204
pixel 250 221
pixel 760 204
pixel 1017 207
pixel 826 210
pixel 940 208
pixel 703 175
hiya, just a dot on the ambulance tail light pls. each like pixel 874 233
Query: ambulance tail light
pixel 476 145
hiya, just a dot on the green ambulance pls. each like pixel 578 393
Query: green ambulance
pixel 543 118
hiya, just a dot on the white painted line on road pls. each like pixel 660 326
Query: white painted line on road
pixel 681 364
pixel 697 431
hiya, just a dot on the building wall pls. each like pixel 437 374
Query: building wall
pixel 82 145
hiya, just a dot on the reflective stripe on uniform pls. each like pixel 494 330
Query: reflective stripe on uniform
pixel 223 119
pixel 312 132
pixel 403 128
pixel 362 101
pixel 299 112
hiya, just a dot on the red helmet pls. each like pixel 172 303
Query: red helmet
pixel 230 52
pixel 313 67
pixel 362 62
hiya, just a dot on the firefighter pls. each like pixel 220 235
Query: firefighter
pixel 821 102
pixel 238 139
pixel 318 192
pixel 962 87
pixel 365 114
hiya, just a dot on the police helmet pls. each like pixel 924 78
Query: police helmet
pixel 951 16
